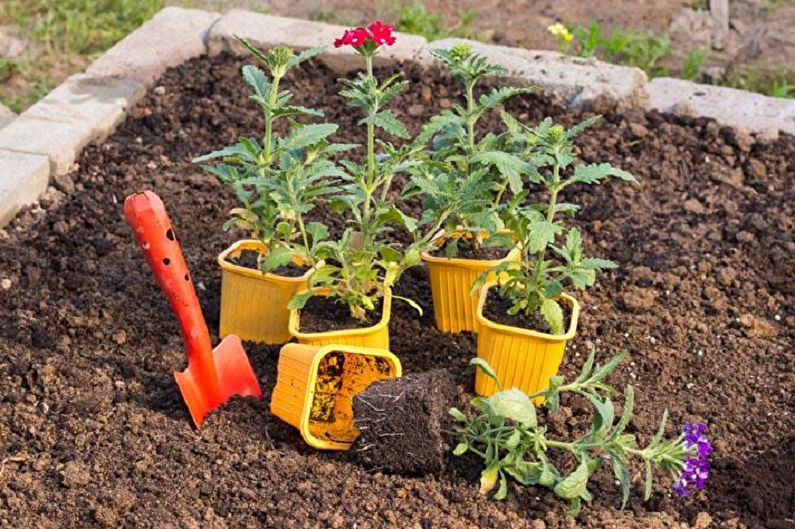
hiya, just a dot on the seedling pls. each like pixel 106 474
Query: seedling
pixel 504 430
pixel 362 264
pixel 538 280
pixel 466 177
pixel 280 179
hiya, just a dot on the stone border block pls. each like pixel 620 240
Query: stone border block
pixel 61 142
pixel 169 38
pixel 728 106
pixel 579 81
pixel 6 115
pixel 97 104
pixel 267 31
pixel 23 178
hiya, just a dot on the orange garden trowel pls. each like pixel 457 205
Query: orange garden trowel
pixel 212 375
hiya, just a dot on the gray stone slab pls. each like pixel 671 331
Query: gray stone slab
pixel 729 106
pixel 59 141
pixel 579 81
pixel 171 37
pixel 6 115
pixel 267 31
pixel 97 104
pixel 23 178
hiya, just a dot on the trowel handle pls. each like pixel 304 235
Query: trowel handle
pixel 153 230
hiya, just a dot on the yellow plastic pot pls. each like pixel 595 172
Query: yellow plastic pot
pixel 374 336
pixel 315 387
pixel 521 358
pixel 454 303
pixel 253 304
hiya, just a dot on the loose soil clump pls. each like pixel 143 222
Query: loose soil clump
pixel 93 431
pixel 402 422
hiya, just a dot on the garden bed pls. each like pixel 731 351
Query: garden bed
pixel 93 430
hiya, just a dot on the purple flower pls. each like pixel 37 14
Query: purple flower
pixel 695 470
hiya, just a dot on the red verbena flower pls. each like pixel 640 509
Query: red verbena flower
pixel 382 33
pixel 352 37
pixel 377 32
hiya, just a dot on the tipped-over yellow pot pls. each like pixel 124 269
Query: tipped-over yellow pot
pixel 316 384
pixel 253 304
pixel 522 358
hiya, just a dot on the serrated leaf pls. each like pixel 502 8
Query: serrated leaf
pixel 575 484
pixel 553 315
pixel 256 78
pixel 279 256
pixel 596 172
pixel 305 55
pixel 309 135
pixel 542 233
pixel 515 405
pixel 594 263
pixel 484 366
pixel 298 301
pixel 391 124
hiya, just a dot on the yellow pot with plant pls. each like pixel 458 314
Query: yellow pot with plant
pixel 525 317
pixel 315 387
pixel 277 182
pixel 451 279
pixel 254 303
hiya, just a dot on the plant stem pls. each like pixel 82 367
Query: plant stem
pixel 470 118
pixel 368 192
pixel 269 118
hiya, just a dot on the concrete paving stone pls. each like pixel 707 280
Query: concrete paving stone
pixel 98 104
pixel 23 178
pixel 61 142
pixel 171 37
pixel 6 115
pixel 579 81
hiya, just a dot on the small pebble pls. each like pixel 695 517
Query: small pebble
pixel 159 90
pixel 5 284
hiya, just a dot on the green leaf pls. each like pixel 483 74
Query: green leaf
pixel 515 405
pixel 626 411
pixel 499 95
pixel 542 232
pixel 256 78
pixel 524 472
pixel 575 484
pixel 621 472
pixel 487 369
pixel 488 478
pixel 309 135
pixel 391 124
pixel 298 301
pixel 513 439
pixel 413 304
pixel 576 129
pixel 457 414
pixel 502 492
pixel 460 449
pixel 279 256
pixel 596 172
pixel 553 315
pixel 593 263
pixel 305 56
pixel 648 479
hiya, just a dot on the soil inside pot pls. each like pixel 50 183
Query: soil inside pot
pixel 401 416
pixel 467 249
pixel 496 310
pixel 249 259
pixel 322 313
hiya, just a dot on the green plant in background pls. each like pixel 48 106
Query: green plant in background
pixel 692 66
pixel 505 432
pixel 641 49
pixel 534 285
pixel 415 18
pixel 775 85
pixel 466 176
pixel 8 67
pixel 281 179
pixel 362 264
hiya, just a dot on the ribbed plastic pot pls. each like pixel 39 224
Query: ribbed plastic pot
pixel 454 303
pixel 253 304
pixel 374 336
pixel 522 358
pixel 317 397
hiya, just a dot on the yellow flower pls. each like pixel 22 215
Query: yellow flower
pixel 560 32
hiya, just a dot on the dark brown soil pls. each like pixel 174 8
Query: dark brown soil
pixel 403 422
pixel 496 310
pixel 249 259
pixel 466 249
pixel 321 314
pixel 93 431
